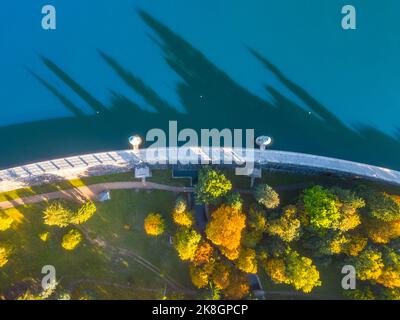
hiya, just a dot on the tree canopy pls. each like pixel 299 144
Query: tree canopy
pixel 154 224
pixel 211 185
pixel 5 221
pixel 225 230
pixel 287 226
pixel 266 196
pixel 186 243
pixel 71 239
pixel 5 252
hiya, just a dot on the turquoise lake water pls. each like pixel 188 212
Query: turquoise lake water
pixel 285 68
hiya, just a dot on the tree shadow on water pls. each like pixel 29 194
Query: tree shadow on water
pixel 211 100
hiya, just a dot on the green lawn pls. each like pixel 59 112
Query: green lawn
pixel 90 270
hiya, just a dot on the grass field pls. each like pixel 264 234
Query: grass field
pixel 90 270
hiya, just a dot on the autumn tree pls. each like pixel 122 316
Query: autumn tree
pixel 287 226
pixel 256 225
pixel 58 213
pixel 257 220
pixel 180 204
pixel 221 275
pixel 266 196
pixel 349 204
pixel 84 213
pixel 181 215
pixel 211 185
pixel 71 240
pixel 154 224
pixel 61 214
pixel 5 221
pixel 350 244
pixel 203 254
pixel 199 276
pixel 382 231
pixel 186 243
pixel 390 276
pixel 5 252
pixel 276 269
pixel 225 230
pixel 234 200
pixel 247 261
pixel 238 286
pixel 381 205
pixel 369 264
pixel 301 272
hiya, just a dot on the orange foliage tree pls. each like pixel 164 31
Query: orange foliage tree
pixel 225 230
pixel 238 286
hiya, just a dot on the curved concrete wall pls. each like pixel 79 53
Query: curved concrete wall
pixel 125 160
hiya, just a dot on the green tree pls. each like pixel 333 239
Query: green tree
pixel 234 200
pixel 321 206
pixel 391 294
pixel 382 206
pixel 186 243
pixel 212 185
pixel 266 196
pixel 363 293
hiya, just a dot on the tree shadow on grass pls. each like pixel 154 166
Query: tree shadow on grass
pixel 211 100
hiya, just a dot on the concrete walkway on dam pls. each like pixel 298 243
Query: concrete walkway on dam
pixel 126 160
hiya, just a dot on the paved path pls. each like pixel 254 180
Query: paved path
pixel 90 192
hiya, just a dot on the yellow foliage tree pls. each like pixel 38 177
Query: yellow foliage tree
pixel 183 218
pixel 381 231
pixel 389 278
pixel 5 221
pixel 84 213
pixel 199 276
pixel 221 275
pixel 349 244
pixel 71 240
pixel 247 261
pixel 154 224
pixel 58 214
pixel 225 230
pixel 4 255
pixel 369 264
pixel 276 269
pixel 287 227
pixel 186 243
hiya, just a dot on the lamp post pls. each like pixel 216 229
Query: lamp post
pixel 263 142
pixel 135 141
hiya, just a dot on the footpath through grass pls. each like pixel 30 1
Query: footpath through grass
pixel 91 271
